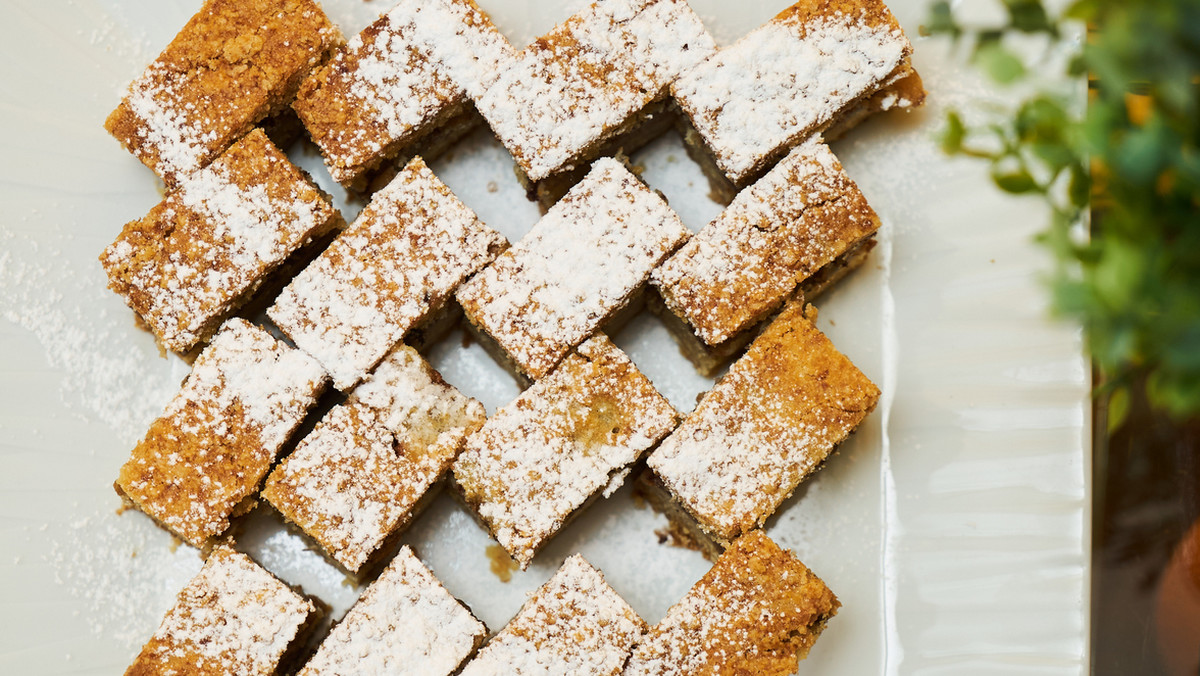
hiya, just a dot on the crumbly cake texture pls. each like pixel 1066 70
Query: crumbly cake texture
pixel 404 623
pixel 201 252
pixel 577 85
pixel 233 64
pixel 582 262
pixel 572 435
pixel 400 260
pixel 757 611
pixel 358 477
pixel 801 216
pixel 769 423
pixel 232 618
pixel 402 77
pixel 574 625
pixel 753 100
pixel 213 445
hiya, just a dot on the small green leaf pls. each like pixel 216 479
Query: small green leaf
pixel 1029 16
pixel 1118 408
pixel 952 135
pixel 940 21
pixel 1016 182
pixel 999 63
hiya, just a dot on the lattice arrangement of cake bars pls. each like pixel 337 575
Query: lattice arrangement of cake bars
pixel 354 303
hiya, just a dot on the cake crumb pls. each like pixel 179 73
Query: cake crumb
pixel 500 563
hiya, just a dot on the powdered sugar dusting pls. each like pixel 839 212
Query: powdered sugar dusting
pixel 400 260
pixel 570 435
pixel 196 256
pixel 355 479
pixel 179 140
pixel 212 446
pixel 757 610
pixel 577 266
pixel 406 622
pixel 233 617
pixel 785 81
pixel 775 416
pixel 574 625
pixel 575 86
pixel 801 216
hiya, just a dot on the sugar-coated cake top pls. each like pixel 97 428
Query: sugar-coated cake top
pixel 772 419
pixel 397 76
pixel 401 258
pixel 213 239
pixel 574 625
pixel 578 83
pixel 404 623
pixel 799 217
pixel 578 430
pixel 580 263
pixel 789 78
pixel 357 476
pixel 232 618
pixel 234 63
pixel 758 610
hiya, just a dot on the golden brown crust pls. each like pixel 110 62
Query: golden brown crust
pixel 233 64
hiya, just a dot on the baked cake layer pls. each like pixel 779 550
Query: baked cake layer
pixel 400 79
pixel 577 85
pixel 233 64
pixel 801 216
pixel 763 428
pixel 572 435
pixel 574 625
pixel 404 623
pixel 790 78
pixel 395 265
pixel 581 263
pixel 358 477
pixel 757 611
pixel 213 445
pixel 232 618
pixel 201 252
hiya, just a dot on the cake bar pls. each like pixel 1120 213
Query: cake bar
pixel 232 618
pixel 757 611
pixel 794 76
pixel 591 79
pixel 202 252
pixel 803 224
pixel 580 264
pixel 387 273
pixel 362 474
pixel 202 461
pixel 407 75
pixel 404 623
pixel 572 435
pixel 235 63
pixel 761 430
pixel 574 625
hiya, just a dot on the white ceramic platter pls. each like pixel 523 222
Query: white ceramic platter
pixel 952 526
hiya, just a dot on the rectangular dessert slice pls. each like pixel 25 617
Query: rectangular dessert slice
pixel 397 264
pixel 405 76
pixel 574 624
pixel 761 430
pixel 580 264
pixel 591 79
pixel 794 76
pixel 202 252
pixel 233 64
pixel 572 435
pixel 232 618
pixel 757 611
pixel 802 224
pixel 404 623
pixel 202 461
pixel 363 473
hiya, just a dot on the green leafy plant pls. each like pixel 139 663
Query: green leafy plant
pixel 1129 159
